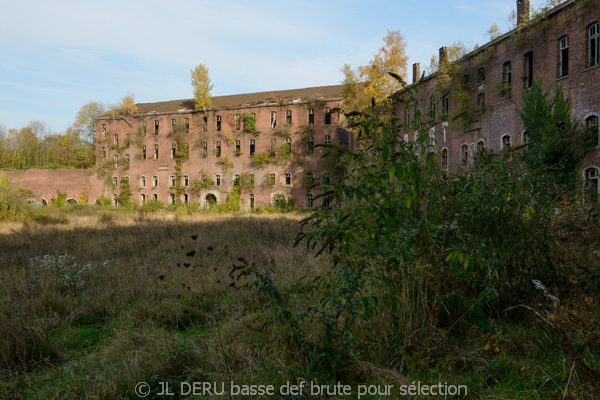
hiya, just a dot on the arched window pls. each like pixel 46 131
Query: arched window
pixel 464 155
pixel 271 179
pixel 288 179
pixel 217 179
pixel 309 200
pixel 505 142
pixel 480 145
pixel 155 157
pixel 481 75
pixel 251 200
pixel 142 199
pixel 310 177
pixel 591 126
pixel 186 180
pixel 172 181
pixel 171 198
pixel 173 151
pixel 154 196
pixel 155 181
pixel 115 181
pixel 236 179
pixel 142 181
pixel 591 180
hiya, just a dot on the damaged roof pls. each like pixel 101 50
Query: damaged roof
pixel 247 99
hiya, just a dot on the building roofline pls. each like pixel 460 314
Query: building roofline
pixel 528 24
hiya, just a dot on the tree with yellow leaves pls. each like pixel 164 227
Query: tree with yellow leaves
pixel 202 87
pixel 373 80
pixel 128 106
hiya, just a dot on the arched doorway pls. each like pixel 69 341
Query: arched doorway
pixel 211 200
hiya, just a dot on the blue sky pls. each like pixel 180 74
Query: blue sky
pixel 57 56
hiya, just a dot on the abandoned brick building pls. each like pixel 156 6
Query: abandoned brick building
pixel 560 45
pixel 262 142
pixel 265 141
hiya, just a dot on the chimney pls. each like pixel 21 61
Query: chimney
pixel 522 11
pixel 443 52
pixel 416 72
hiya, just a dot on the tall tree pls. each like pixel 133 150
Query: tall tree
pixel 85 121
pixel 391 57
pixel 202 87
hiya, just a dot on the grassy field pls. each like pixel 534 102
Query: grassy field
pixel 171 299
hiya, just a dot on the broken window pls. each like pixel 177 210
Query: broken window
pixel 506 79
pixel 142 181
pixel 325 178
pixel 445 104
pixel 186 180
pixel 310 177
pixel 310 146
pixel 480 145
pixel 154 196
pixel 593 39
pixel 144 127
pixel 204 149
pixel 155 181
pixel 126 178
pixel 236 179
pixel 156 127
pixel 481 101
pixel 445 158
pixel 218 123
pixel 327 116
pixel 143 152
pixel 238 124
pixel 173 151
pixel 273 119
pixel 116 157
pixel 505 142
pixel 288 142
pixel 432 108
pixel 103 130
pixel 173 125
pixel 252 147
pixel 171 180
pixel 171 198
pixel 563 66
pixel 591 125
pixel 309 200
pixel 115 199
pixel 288 117
pixel 103 152
pixel 127 158
pixel 218 180
pixel 127 140
pixel 155 152
pixel 311 116
pixel 186 124
pixel 204 124
pixel 115 181
pixel 271 179
pixel 116 140
pixel 327 139
pixel 142 199
pixel 218 149
pixel 464 155
pixel 528 70
pixel 288 179
pixel 238 148
pixel 481 75
pixel 591 180
pixel 251 201
pixel 272 146
pixel 186 198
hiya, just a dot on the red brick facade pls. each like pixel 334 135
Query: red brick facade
pixel 532 50
pixel 302 118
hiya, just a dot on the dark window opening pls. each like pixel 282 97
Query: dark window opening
pixel 311 116
pixel 310 147
pixel 591 124
pixel 237 122
pixel 238 148
pixel 273 119
pixel 252 147
pixel 506 79
pixel 288 117
pixel 528 72
pixel 563 67
pixel 156 127
pixel 481 75
pixel 186 123
pixel 204 149
pixel 204 124
pixel 327 116
pixel 593 39
pixel 218 123
pixel 218 149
